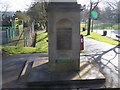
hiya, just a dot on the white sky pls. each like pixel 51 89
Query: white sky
pixel 14 5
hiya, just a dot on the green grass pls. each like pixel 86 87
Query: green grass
pixel 107 26
pixel 100 38
pixel 116 26
pixel 18 50
pixel 82 24
pixel 0 47
pixel 41 46
pixel 41 42
pixel 20 43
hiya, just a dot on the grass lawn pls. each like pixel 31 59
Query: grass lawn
pixel 41 46
pixel 101 38
pixel 17 50
pixel 82 25
pixel 41 42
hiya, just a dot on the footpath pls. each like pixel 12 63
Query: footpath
pixel 104 56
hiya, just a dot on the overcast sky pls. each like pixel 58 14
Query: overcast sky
pixel 14 5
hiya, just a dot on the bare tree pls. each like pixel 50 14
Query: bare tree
pixel 112 4
pixel 115 5
pixel 3 7
pixel 3 10
pixel 93 5
pixel 39 14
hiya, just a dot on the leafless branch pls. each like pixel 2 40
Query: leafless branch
pixel 5 10
pixel 95 5
pixel 111 5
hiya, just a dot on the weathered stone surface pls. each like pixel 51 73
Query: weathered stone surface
pixel 64 36
pixel 63 5
pixel 88 75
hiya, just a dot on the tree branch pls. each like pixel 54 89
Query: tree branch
pixel 95 5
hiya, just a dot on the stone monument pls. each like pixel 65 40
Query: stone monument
pixel 64 36
pixel 63 67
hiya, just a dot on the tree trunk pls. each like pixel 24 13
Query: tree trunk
pixel 89 20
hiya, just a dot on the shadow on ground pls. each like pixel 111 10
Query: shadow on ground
pixel 106 64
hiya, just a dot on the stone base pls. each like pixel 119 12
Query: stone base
pixel 64 65
pixel 88 76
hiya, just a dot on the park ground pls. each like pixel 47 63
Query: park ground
pixel 103 55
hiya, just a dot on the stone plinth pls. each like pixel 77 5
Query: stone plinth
pixel 64 36
pixel 89 76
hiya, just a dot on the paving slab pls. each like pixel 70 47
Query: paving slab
pixel 40 75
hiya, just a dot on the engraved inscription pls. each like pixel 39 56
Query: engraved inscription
pixel 64 38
